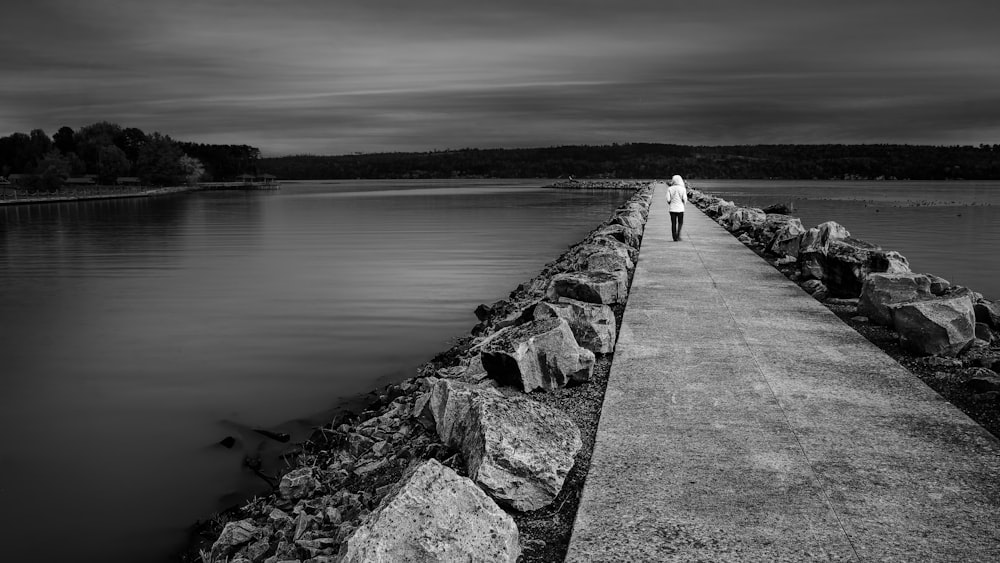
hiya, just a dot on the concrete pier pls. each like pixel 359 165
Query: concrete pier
pixel 743 421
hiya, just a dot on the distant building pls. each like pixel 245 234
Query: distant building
pixel 80 181
pixel 127 181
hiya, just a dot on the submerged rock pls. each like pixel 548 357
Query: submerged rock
pixel 435 515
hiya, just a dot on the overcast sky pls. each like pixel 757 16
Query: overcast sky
pixel 342 76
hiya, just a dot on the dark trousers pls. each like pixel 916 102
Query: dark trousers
pixel 676 222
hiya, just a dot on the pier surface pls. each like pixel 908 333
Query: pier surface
pixel 743 421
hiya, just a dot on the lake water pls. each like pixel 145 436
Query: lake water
pixel 137 333
pixel 951 229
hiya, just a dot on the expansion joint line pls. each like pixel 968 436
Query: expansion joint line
pixel 784 413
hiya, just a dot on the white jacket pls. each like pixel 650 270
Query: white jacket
pixel 677 195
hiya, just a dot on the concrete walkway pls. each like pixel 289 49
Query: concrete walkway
pixel 745 422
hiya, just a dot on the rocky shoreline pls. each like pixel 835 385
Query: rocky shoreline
pixel 481 455
pixel 947 335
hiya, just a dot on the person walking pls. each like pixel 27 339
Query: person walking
pixel 676 198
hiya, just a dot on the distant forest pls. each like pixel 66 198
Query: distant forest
pixel 107 152
pixel 648 160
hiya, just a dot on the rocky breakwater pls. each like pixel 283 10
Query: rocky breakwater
pixel 442 466
pixel 932 321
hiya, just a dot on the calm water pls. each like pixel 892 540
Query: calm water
pixel 951 229
pixel 136 334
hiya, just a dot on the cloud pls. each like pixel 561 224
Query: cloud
pixel 339 77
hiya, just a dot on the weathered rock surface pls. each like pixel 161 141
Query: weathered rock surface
pixel 541 354
pixel 787 238
pixel 593 325
pixel 742 218
pixel 939 285
pixel 848 262
pixel 988 314
pixel 621 233
pixel 943 326
pixel 234 535
pixel 435 515
pixel 297 483
pixel 518 450
pixel 607 288
pixel 881 290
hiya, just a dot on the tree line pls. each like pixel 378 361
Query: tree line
pixel 107 151
pixel 651 160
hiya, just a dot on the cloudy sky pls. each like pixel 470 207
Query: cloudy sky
pixel 342 76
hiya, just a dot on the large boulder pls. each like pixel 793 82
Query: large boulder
pixel 621 233
pixel 787 238
pixel 849 262
pixel 942 327
pixel 593 325
pixel 541 354
pixel 607 288
pixel 591 256
pixel 611 242
pixel 518 450
pixel 434 515
pixel 719 207
pixel 742 219
pixel 988 313
pixel 630 219
pixel 817 239
pixel 882 290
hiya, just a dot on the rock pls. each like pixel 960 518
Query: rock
pixel 434 515
pixel 983 332
pixel 812 286
pixel 621 233
pixel 745 239
pixel 607 288
pixel 984 383
pixel 779 208
pixel 518 450
pixel 939 285
pixel 988 313
pixel 881 290
pixel 938 361
pixel 812 264
pixel 786 240
pixel 234 535
pixel 483 312
pixel 612 243
pixel 593 325
pixel 843 302
pixel 297 484
pixel 742 218
pixel 541 354
pixel 631 220
pixel 719 208
pixel 936 327
pixel 849 262
pixel 896 263
pixel 785 260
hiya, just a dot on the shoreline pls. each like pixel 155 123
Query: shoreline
pixel 366 455
pixel 152 192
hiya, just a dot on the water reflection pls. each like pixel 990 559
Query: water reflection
pixel 139 332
